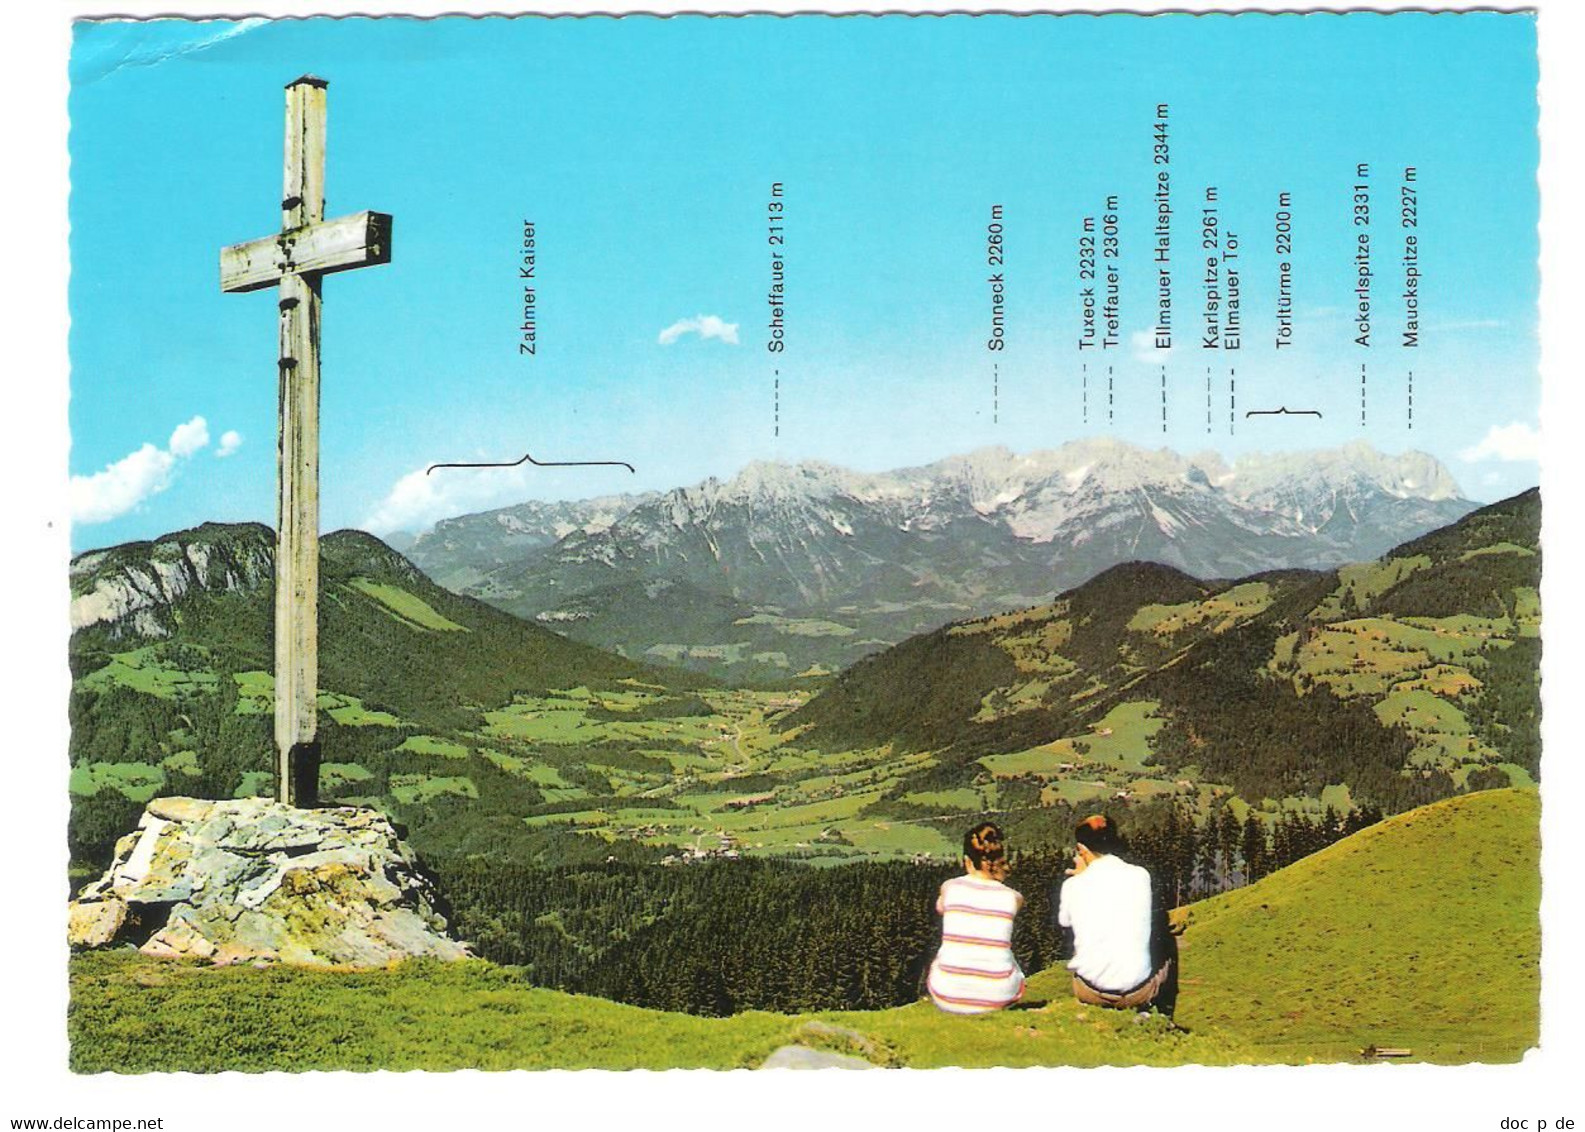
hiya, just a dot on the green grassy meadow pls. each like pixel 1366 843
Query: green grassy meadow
pixel 1422 932
pixel 136 1015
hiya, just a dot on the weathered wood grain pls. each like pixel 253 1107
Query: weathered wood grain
pixel 360 240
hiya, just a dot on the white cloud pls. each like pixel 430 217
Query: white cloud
pixel 417 501
pixel 230 441
pixel 190 437
pixel 706 326
pixel 1513 442
pixel 123 485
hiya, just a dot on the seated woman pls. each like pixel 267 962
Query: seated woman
pixel 975 972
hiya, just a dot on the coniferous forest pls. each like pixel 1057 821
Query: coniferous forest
pixel 722 936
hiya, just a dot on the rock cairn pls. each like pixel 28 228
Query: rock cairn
pixel 254 880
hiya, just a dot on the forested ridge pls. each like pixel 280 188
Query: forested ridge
pixel 1235 710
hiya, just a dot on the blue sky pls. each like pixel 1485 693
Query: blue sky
pixel 643 150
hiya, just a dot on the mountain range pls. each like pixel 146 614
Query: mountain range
pixel 805 568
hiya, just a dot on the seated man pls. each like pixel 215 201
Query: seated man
pixel 1123 956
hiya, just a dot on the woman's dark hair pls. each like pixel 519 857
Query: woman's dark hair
pixel 1099 835
pixel 986 851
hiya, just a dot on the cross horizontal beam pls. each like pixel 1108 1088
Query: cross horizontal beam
pixel 360 240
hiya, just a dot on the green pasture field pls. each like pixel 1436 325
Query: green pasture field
pixel 798 626
pixel 257 783
pixel 1369 580
pixel 1498 548
pixel 411 788
pixel 1121 741
pixel 1369 656
pixel 137 782
pixel 1440 730
pixel 143 670
pixel 256 696
pixel 1223 610
pixel 964 798
pixel 433 745
pixel 407 608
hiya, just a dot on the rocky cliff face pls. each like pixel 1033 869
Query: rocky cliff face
pixel 253 880
pixel 129 590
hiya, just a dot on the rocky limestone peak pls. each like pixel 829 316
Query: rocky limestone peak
pixel 765 479
pixel 1033 493
pixel 1209 467
pixel 987 478
pixel 255 880
pixel 1354 466
pixel 1107 464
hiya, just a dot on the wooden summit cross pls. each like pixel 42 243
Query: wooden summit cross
pixel 307 248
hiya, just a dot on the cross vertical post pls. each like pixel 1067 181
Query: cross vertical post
pixel 307 248
pixel 297 462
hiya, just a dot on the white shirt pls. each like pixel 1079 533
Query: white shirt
pixel 1108 908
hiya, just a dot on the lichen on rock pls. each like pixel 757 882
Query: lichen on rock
pixel 253 879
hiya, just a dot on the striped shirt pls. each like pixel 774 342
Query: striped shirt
pixel 975 970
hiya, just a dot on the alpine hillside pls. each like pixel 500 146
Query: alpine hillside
pixel 1384 684
pixel 1395 682
pixel 1232 727
pixel 172 659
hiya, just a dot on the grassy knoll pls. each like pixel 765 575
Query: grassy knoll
pixel 1421 932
